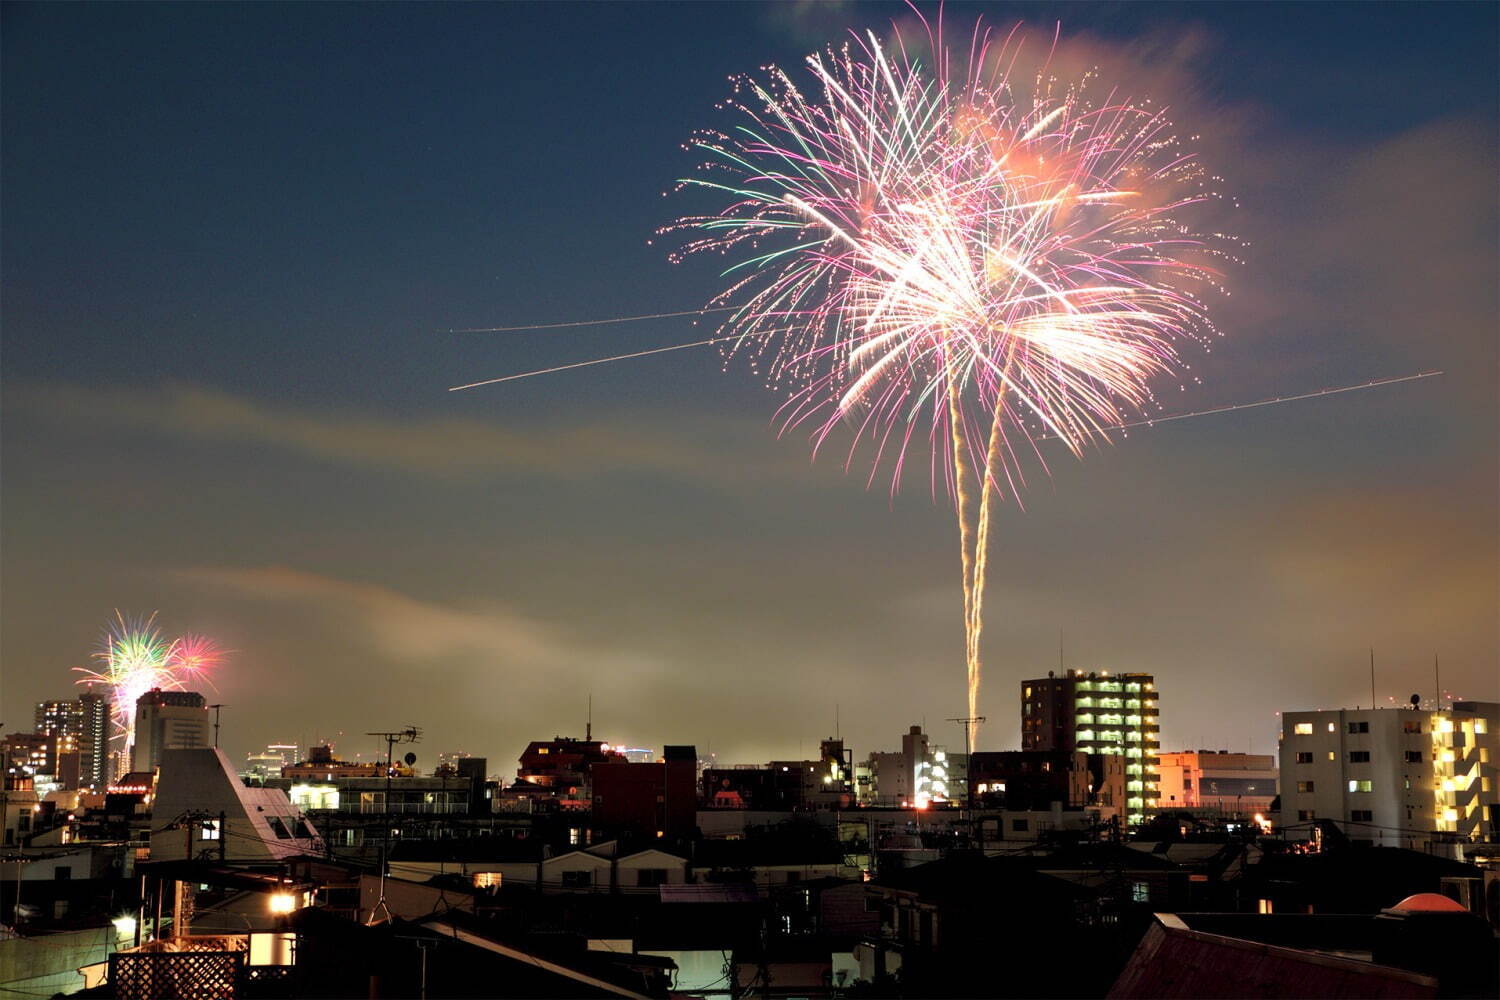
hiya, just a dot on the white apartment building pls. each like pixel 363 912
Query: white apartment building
pixel 1394 777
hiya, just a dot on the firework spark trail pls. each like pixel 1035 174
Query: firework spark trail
pixel 593 322
pixel 136 658
pixel 593 361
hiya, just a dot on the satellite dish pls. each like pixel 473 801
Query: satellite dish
pixel 1416 700
pixel 410 759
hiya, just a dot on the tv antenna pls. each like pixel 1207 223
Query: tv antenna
pixel 411 734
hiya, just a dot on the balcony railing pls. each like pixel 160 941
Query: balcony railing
pixel 402 808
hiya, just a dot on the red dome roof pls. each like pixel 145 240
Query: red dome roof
pixel 1428 902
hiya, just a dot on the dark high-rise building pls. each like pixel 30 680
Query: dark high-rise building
pixel 481 789
pixel 1100 713
pixel 79 730
pixel 650 800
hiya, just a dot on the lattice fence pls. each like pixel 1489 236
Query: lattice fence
pixel 180 975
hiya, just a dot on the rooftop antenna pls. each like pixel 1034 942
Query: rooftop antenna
pixel 411 734
pixel 216 724
pixel 588 726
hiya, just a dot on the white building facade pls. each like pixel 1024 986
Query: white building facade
pixel 1393 777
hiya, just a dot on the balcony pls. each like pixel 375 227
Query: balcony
pixel 403 808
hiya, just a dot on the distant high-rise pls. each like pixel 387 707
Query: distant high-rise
pixel 1100 713
pixel 167 720
pixel 1205 782
pixel 268 764
pixel 920 773
pixel 79 729
pixel 25 757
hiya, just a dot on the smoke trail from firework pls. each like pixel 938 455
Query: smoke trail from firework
pixel 945 251
pixel 136 658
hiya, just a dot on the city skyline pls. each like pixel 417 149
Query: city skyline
pixel 230 266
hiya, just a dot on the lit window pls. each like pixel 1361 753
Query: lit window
pixel 1480 728
pixel 1331 727
pixel 1361 785
pixel 1303 729
pixel 1305 786
pixel 210 830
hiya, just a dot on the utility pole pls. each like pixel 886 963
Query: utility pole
pixel 411 734
pixel 968 724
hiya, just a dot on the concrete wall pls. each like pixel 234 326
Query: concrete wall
pixel 49 963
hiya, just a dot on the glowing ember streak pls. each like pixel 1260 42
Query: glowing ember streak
pixel 944 246
pixel 136 658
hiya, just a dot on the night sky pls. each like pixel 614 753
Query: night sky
pixel 235 238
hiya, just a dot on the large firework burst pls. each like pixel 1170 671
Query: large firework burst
pixel 955 251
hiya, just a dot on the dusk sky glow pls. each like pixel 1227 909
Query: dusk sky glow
pixel 237 241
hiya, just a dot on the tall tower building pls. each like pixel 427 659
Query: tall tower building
pixel 167 720
pixel 1100 713
pixel 79 729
